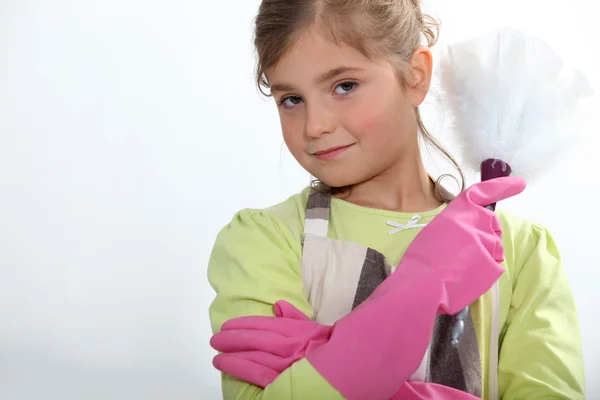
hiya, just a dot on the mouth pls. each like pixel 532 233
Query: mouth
pixel 330 153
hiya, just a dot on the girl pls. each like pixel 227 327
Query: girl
pixel 354 288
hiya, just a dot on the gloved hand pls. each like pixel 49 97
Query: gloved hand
pixel 257 349
pixel 371 352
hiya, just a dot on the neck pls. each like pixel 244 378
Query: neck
pixel 404 187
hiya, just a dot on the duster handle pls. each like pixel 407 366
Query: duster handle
pixel 494 168
pixel 490 169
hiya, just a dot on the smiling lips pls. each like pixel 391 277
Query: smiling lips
pixel 331 153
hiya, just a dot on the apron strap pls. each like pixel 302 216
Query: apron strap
pixel 317 213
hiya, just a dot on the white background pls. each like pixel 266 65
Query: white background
pixel 130 133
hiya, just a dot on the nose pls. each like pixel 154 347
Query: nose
pixel 319 121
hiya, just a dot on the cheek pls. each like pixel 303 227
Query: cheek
pixel 292 136
pixel 365 125
pixel 377 120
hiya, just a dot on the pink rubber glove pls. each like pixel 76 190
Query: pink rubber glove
pixel 452 262
pixel 256 349
pixel 258 356
pixel 430 391
pixel 372 351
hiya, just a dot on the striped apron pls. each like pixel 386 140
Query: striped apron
pixel 338 276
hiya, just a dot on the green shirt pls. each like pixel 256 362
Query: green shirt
pixel 256 261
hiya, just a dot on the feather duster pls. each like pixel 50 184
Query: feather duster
pixel 511 100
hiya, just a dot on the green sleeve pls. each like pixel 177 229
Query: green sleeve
pixel 254 263
pixel 541 355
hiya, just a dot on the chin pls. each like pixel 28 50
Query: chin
pixel 337 180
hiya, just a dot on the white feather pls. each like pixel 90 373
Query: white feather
pixel 510 98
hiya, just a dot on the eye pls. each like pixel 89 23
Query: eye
pixel 289 101
pixel 345 87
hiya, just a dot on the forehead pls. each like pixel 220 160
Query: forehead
pixel 311 55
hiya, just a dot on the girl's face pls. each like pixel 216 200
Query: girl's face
pixel 347 119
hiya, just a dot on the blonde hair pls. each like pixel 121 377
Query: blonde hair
pixel 379 29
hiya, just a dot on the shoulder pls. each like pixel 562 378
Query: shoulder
pixel 525 241
pixel 254 230
pixel 289 213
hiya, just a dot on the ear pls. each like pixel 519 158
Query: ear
pixel 419 77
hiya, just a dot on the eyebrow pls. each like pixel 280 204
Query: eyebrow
pixel 323 78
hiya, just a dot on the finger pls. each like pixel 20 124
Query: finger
pixel 496 225
pixel 284 326
pixel 267 360
pixel 286 310
pixel 244 340
pixel 407 392
pixel 457 294
pixel 494 190
pixel 245 370
pixel 415 390
pixel 499 252
pixel 492 240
